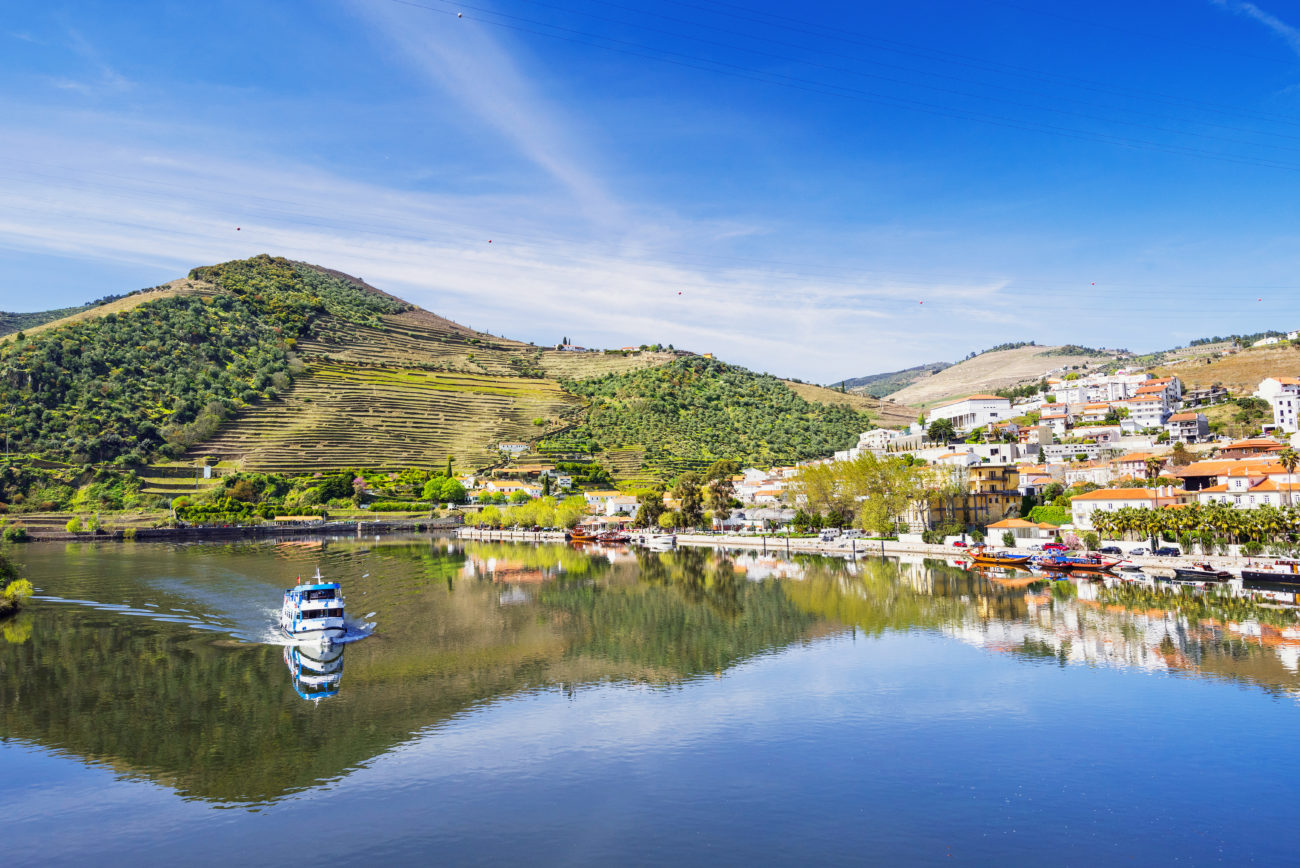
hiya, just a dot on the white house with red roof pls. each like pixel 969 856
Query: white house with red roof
pixel 973 412
pixel 1283 393
pixel 1057 417
pixel 1083 506
pixel 1253 485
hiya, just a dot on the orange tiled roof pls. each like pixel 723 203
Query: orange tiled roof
pixel 1126 494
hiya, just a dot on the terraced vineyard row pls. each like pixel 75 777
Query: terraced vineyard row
pixel 340 415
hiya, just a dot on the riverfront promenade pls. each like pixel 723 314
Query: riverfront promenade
pixel 859 547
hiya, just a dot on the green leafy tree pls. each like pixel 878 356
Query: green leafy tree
pixel 687 492
pixel 650 505
pixel 941 431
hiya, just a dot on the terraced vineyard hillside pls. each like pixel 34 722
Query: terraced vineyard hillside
pixel 340 415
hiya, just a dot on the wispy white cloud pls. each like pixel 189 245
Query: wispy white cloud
pixel 1288 33
pixel 460 58
pixel 544 275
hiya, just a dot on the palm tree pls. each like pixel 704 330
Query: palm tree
pixel 1154 465
pixel 1288 458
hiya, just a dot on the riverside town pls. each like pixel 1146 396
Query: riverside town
pixel 685 434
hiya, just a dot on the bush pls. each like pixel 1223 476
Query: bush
pixel 1091 541
pixel 15 533
pixel 1252 549
pixel 74 524
pixel 128 533
pixel 398 506
pixel 18 590
pixel 1008 539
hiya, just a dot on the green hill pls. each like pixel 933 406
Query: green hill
pixel 690 412
pixel 282 367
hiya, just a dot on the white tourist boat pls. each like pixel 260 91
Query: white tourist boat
pixel 661 542
pixel 313 612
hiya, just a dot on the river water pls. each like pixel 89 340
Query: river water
pixel 544 705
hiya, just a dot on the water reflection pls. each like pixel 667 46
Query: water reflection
pixel 316 670
pixel 188 696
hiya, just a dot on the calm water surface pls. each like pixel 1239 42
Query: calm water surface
pixel 521 704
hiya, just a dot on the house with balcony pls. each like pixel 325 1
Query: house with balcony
pixel 1189 427
pixel 1251 487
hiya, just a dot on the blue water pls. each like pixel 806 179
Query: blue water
pixel 912 744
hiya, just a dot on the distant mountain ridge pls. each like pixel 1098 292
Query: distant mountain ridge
pixel 880 385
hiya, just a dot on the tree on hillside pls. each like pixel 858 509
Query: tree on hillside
pixel 1153 467
pixel 941 431
pixel 723 468
pixel 687 492
pixel 1181 456
pixel 546 485
pixel 447 472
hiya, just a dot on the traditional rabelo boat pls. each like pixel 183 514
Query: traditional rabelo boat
pixel 580 534
pixel 1284 571
pixel 982 556
pixel 1089 563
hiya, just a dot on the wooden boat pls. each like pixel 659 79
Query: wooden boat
pixel 614 536
pixel 581 535
pixel 984 557
pixel 1201 573
pixel 1089 563
pixel 1284 571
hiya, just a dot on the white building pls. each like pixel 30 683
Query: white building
pixel 973 412
pixel 1147 411
pixel 1189 427
pixel 1283 393
pixel 622 504
pixel 1057 417
pixel 877 440
pixel 1084 505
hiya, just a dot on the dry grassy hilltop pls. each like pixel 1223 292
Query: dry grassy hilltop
pixel 988 372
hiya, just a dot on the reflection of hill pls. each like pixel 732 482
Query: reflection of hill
pixel 220 721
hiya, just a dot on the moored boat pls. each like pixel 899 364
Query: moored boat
pixel 1201 573
pixel 313 612
pixel 580 535
pixel 1089 563
pixel 1284 571
pixel 981 555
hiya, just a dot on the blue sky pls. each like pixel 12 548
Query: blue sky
pixel 817 190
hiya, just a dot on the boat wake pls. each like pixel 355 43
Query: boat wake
pixel 354 631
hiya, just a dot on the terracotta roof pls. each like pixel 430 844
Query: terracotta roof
pixel 1254 443
pixel 1150 388
pixel 1126 494
pixel 1286 381
pixel 1140 456
pixel 1011 522
pixel 1184 417
pixel 1144 399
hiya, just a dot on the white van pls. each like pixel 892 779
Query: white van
pixel 851 533
pixel 828 534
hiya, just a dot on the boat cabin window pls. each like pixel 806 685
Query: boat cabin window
pixel 323 594
pixel 312 614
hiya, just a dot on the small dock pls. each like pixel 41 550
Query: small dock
pixel 481 534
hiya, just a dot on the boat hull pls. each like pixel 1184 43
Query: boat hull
pixel 1272 578
pixel 1000 560
pixel 1191 575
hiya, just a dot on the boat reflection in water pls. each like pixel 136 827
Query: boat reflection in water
pixel 316 670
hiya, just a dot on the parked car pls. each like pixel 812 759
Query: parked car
pixel 1138 552
pixel 1033 548
pixel 958 544
pixel 1055 547
pixel 1168 552
pixel 1110 550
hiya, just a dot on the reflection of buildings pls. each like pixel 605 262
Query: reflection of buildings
pixel 756 567
pixel 316 671
pixel 1090 631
